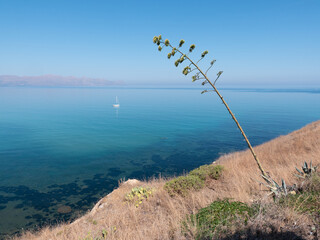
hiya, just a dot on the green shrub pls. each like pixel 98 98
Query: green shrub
pixel 212 171
pixel 216 172
pixel 220 213
pixel 195 180
pixel 182 185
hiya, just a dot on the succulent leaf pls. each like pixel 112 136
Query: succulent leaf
pixel 299 171
pixel 284 187
pixel 275 183
pixel 266 179
pixel 305 165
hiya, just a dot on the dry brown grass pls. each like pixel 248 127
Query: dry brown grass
pixel 279 158
pixel 160 217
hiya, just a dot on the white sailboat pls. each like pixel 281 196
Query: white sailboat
pixel 117 104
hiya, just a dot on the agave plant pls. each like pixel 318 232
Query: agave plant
pixel 307 171
pixel 192 66
pixel 275 189
pixel 183 57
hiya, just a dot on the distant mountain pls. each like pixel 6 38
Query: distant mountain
pixel 54 81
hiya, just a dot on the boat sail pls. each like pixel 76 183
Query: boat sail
pixel 117 104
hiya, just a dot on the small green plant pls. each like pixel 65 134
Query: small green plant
pixel 182 185
pixel 209 220
pixel 138 194
pixel 307 171
pixel 103 236
pixel 89 237
pixel 91 220
pixel 104 233
pixel 204 171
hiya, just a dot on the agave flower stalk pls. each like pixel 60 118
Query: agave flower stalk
pixel 193 66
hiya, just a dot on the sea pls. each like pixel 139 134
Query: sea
pixel 62 149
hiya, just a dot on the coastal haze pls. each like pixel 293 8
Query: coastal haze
pixel 54 81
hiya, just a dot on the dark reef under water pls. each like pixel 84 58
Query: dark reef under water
pixel 42 207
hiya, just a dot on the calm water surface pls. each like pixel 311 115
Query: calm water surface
pixel 69 146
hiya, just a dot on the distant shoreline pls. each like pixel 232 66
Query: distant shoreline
pixel 315 90
pixel 54 81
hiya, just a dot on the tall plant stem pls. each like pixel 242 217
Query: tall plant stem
pixel 232 115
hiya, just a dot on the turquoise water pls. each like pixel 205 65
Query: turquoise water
pixel 69 146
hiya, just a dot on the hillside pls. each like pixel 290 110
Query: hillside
pixel 160 217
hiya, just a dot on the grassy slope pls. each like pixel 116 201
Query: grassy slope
pixel 160 217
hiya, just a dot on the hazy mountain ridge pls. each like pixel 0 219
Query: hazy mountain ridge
pixel 54 81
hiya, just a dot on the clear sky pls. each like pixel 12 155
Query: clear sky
pixel 263 42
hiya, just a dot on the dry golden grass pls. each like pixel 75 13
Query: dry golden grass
pixel 279 157
pixel 160 217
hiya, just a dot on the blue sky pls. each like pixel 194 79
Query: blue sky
pixel 261 42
